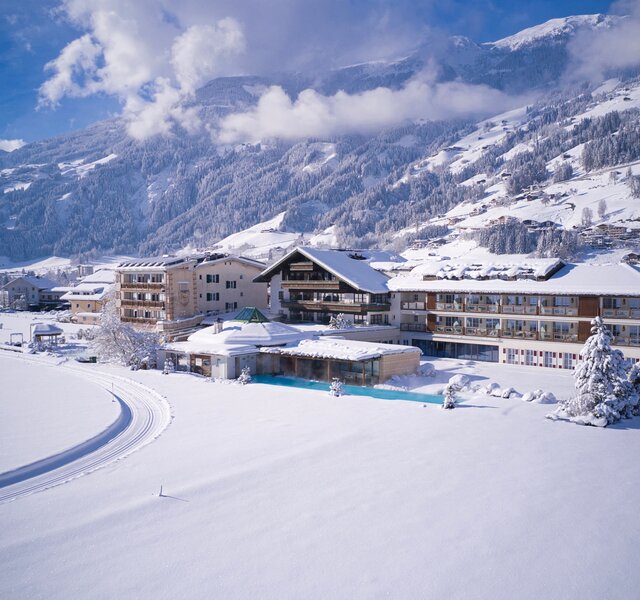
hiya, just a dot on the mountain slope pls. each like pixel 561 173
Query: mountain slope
pixel 99 191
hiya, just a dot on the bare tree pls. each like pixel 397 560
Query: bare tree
pixel 587 217
pixel 602 208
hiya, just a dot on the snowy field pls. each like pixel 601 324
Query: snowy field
pixel 43 415
pixel 286 493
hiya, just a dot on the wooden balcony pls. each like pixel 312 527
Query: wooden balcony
pixel 141 286
pixel 334 307
pixel 142 303
pixel 332 285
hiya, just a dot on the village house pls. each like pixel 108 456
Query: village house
pixel 87 298
pixel 29 292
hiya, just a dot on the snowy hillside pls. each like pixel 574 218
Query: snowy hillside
pixel 98 191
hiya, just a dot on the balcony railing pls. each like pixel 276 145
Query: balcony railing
pixel 484 308
pixel 413 306
pixel 559 311
pixel 620 340
pixel 558 337
pixel 311 284
pixel 347 307
pixel 142 303
pixel 450 306
pixel 519 309
pixel 132 285
pixel 413 327
pixel 621 313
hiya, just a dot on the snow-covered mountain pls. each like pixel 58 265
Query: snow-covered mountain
pixel 97 190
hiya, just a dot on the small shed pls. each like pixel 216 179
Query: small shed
pixel 46 333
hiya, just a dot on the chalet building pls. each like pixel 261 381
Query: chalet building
pixel 175 293
pixel 87 298
pixel 29 292
pixel 310 284
pixel 538 321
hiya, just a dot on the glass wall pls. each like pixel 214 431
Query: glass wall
pixel 453 350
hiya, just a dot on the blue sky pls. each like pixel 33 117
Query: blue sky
pixel 291 34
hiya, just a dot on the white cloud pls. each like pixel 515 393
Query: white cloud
pixel 595 53
pixel 313 115
pixel 11 145
pixel 147 53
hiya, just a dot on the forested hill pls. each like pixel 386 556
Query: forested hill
pixel 98 190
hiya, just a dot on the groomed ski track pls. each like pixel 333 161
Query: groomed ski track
pixel 144 415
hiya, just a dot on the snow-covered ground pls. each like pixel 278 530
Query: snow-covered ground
pixel 47 414
pixel 287 493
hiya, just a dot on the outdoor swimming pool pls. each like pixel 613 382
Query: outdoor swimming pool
pixel 349 390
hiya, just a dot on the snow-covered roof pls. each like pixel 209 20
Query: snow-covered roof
pixel 157 262
pixel 237 333
pixel 45 329
pixel 342 349
pixel 41 283
pixel 88 291
pixel 189 347
pixel 357 273
pixel 101 276
pixel 582 279
pixel 524 269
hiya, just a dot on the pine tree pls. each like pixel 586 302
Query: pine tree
pixel 335 389
pixel 449 400
pixel 245 376
pixel 604 393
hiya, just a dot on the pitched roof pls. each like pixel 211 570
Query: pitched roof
pixel 357 273
pixel 42 283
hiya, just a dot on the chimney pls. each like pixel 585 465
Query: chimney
pixel 217 326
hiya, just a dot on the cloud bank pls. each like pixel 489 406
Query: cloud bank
pixel 598 52
pixel 313 115
pixel 147 54
pixel 11 145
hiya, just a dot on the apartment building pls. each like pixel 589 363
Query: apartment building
pixel 311 284
pixel 173 293
pixel 536 316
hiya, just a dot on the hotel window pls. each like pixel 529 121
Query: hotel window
pixel 567 361
pixel 231 285
pixel 213 297
pixel 215 278
pixel 512 356
pixel 230 305
pixel 529 357
pixel 548 359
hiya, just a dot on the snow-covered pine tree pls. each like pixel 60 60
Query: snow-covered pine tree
pixel 169 367
pixel 449 400
pixel 335 389
pixel 339 321
pixel 604 393
pixel 245 376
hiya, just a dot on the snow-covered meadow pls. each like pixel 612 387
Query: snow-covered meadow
pixel 278 492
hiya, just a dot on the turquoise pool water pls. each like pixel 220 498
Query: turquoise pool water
pixel 351 390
